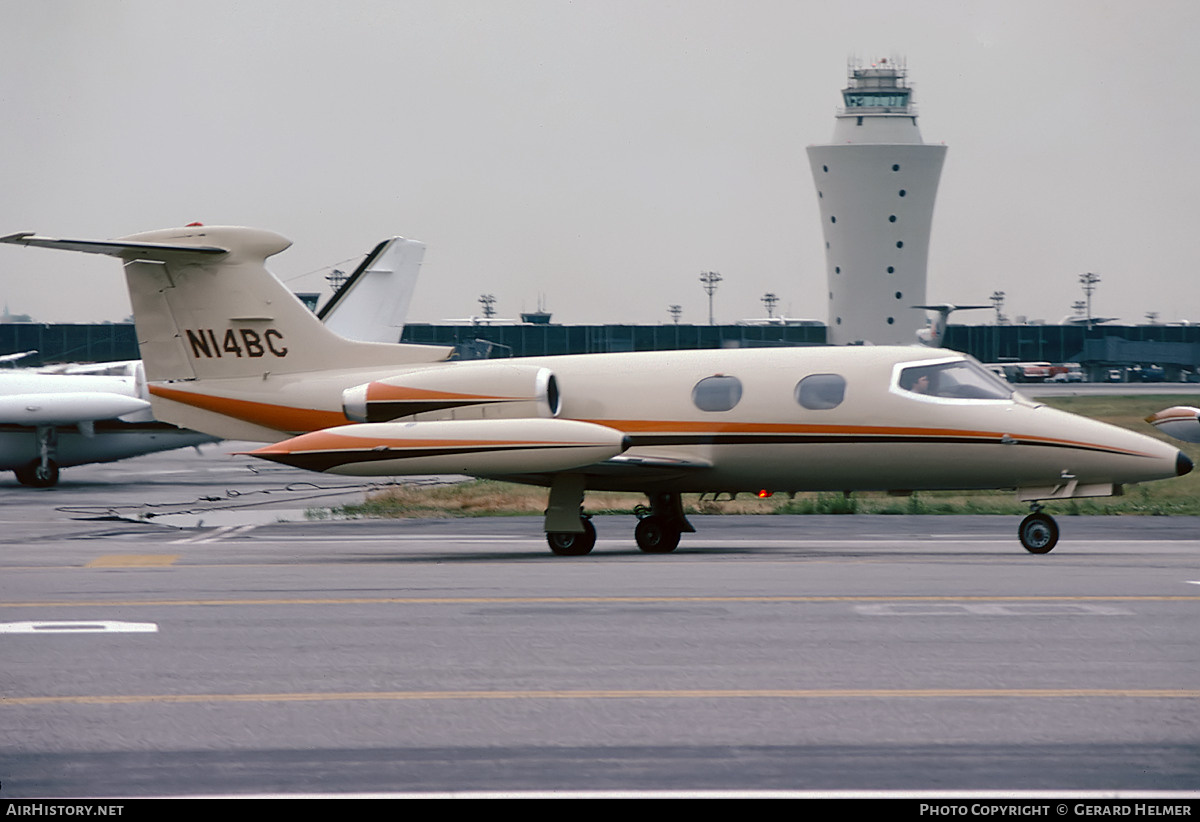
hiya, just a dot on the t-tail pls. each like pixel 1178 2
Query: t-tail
pixel 933 334
pixel 224 342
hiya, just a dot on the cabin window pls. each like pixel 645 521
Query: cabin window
pixel 719 393
pixel 962 380
pixel 820 392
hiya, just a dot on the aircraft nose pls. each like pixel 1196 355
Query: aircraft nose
pixel 1183 464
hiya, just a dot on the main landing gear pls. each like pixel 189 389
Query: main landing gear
pixel 41 472
pixel 1038 532
pixel 660 526
pixel 571 544
pixel 570 533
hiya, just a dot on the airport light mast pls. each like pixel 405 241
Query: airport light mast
pixel 709 281
pixel 769 300
pixel 1088 281
pixel 876 185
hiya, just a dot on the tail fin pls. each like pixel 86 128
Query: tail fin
pixel 206 307
pixel 373 303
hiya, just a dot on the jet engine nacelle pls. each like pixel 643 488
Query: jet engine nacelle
pixel 458 392
pixel 1181 422
pixel 473 447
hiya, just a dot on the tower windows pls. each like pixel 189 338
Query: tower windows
pixel 903 193
pixel 895 168
pixel 899 295
pixel 891 320
pixel 891 218
pixel 891 269
pixel 899 243
pixel 833 219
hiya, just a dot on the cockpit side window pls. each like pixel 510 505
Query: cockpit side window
pixel 962 379
pixel 717 393
pixel 820 392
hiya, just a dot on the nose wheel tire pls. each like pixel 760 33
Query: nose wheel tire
pixel 1038 533
pixel 572 544
pixel 653 537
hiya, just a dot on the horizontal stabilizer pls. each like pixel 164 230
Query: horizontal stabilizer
pixel 115 248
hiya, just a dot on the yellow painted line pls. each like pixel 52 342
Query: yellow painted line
pixel 597 600
pixel 814 693
pixel 133 561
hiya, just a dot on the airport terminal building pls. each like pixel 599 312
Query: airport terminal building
pixel 1100 350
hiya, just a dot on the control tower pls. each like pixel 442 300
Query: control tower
pixel 876 185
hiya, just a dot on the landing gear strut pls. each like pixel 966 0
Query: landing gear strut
pixel 1038 532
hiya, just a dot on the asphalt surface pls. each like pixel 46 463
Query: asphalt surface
pixel 210 649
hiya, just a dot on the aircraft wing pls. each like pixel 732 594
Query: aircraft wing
pixel 622 468
pixel 113 248
pixel 630 464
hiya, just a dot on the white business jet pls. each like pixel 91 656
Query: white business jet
pixel 229 351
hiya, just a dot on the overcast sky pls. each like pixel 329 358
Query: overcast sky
pixel 600 154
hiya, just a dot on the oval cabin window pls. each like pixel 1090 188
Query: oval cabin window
pixel 717 393
pixel 820 392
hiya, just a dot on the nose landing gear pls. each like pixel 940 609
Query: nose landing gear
pixel 1038 532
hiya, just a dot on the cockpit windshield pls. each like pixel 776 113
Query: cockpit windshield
pixel 959 379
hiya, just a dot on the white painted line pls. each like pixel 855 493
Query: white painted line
pixel 1039 609
pixel 94 626
pixel 215 536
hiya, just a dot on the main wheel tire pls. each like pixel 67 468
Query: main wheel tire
pixel 35 475
pixel 1038 533
pixel 653 537
pixel 570 544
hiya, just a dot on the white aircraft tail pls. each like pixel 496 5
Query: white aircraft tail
pixel 382 288
pixel 933 334
pixel 206 307
pixel 227 348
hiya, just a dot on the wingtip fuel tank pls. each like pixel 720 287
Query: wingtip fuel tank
pixel 475 447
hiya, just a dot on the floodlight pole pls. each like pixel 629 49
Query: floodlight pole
pixel 710 280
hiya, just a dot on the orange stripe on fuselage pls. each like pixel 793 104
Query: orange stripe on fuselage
pixel 279 417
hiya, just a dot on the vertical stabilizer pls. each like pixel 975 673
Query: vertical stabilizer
pixel 373 303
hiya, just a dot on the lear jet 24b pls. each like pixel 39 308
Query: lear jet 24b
pixel 230 352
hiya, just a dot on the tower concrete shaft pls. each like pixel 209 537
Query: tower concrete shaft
pixel 876 186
